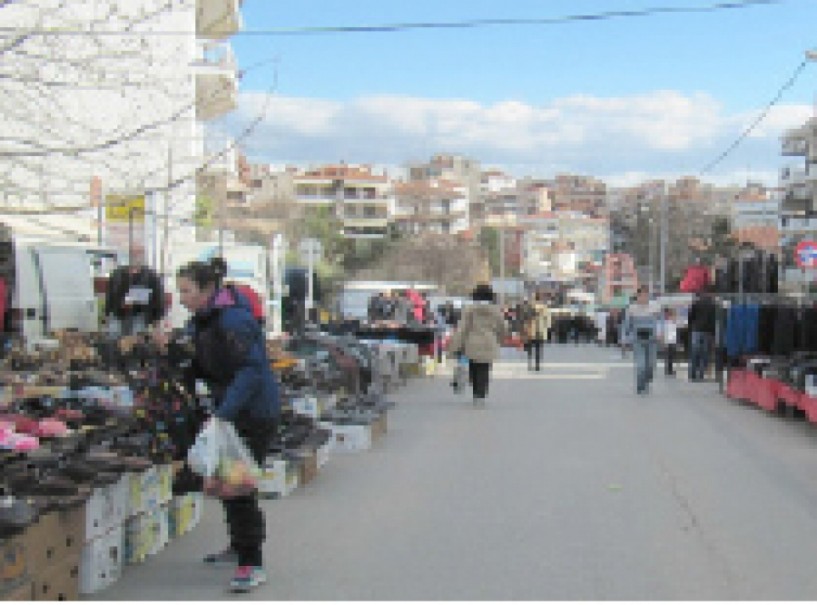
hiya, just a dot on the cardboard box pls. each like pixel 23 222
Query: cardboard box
pixel 309 467
pixel 273 483
pixel 350 437
pixel 143 491
pixel 23 592
pixel 102 561
pixel 14 564
pixel 137 540
pixel 379 427
pixel 59 582
pixel 107 507
pixel 323 453
pixel 293 476
pixel 57 537
pixel 197 500
pixel 165 472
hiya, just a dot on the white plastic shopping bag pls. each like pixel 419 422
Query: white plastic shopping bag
pixel 203 455
pixel 220 456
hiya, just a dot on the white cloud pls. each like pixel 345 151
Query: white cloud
pixel 659 133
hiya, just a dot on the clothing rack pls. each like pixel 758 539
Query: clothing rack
pixel 798 300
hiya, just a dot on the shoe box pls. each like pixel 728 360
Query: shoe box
pixel 273 482
pixel 279 477
pixel 184 513
pixel 56 538
pixel 102 561
pixel 20 592
pixel 308 467
pixel 145 490
pixel 379 427
pixel 42 563
pixel 16 571
pixel 349 437
pixel 60 582
pixel 107 508
pixel 323 453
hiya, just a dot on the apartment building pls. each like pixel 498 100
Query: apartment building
pixel 619 279
pixel 800 177
pixel 459 169
pixel 268 183
pixel 583 194
pixel 362 200
pixel 123 109
pixel 431 206
pixel 562 245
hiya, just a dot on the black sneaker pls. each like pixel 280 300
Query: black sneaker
pixel 226 558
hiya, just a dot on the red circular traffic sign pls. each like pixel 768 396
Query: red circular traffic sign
pixel 805 254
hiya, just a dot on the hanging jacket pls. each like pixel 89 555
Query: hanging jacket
pixel 702 315
pixel 231 358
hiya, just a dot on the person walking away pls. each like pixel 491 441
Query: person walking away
pixel 641 327
pixel 524 314
pixel 669 337
pixel 230 356
pixel 479 336
pixel 537 328
pixel 702 321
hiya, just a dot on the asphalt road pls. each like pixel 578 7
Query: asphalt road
pixel 566 486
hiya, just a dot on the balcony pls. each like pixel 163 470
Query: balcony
pixel 791 176
pixel 365 228
pixel 800 198
pixel 795 142
pixel 217 19
pixel 216 81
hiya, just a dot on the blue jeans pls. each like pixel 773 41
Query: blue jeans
pixel 699 345
pixel 645 352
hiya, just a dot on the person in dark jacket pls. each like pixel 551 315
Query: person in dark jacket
pixel 230 356
pixel 702 320
pixel 134 299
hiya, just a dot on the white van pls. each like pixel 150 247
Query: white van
pixel 49 286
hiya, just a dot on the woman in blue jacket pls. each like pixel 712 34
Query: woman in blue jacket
pixel 230 356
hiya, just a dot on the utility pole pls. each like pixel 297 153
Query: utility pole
pixel 502 266
pixel 664 225
pixel 166 235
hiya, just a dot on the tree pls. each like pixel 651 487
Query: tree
pixel 721 242
pixel 489 242
pixel 205 211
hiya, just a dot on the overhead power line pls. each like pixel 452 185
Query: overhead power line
pixel 464 24
pixel 756 122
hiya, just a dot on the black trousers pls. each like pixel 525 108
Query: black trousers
pixel 535 352
pixel 669 360
pixel 480 374
pixel 245 520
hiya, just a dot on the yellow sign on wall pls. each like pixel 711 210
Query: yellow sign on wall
pixel 118 208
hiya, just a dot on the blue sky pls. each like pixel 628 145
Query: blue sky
pixel 624 98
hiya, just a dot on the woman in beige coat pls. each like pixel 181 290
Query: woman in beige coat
pixel 479 336
pixel 536 331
